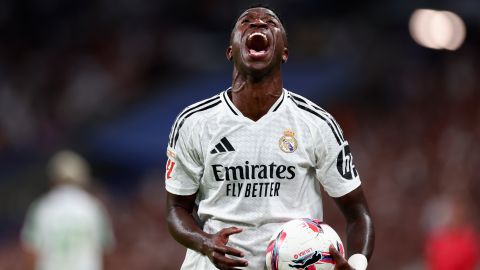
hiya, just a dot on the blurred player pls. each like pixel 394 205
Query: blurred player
pixel 452 242
pixel 67 228
pixel 254 156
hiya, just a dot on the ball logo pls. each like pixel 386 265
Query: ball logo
pixel 302 253
pixel 307 260
pixel 287 142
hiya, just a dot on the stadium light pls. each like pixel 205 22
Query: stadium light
pixel 437 29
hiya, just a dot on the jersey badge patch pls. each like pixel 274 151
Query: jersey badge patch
pixel 345 164
pixel 169 169
pixel 287 142
pixel 171 154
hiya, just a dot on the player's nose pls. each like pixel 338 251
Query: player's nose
pixel 258 23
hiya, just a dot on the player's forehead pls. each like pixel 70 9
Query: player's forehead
pixel 258 12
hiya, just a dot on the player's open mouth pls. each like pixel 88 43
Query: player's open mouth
pixel 257 44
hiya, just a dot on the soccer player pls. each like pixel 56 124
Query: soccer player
pixel 67 228
pixel 253 157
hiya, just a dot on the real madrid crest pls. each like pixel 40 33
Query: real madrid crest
pixel 287 142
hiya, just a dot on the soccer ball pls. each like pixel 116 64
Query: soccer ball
pixel 303 244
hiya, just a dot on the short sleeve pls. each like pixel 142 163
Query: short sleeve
pixel 106 231
pixel 334 161
pixel 29 233
pixel 184 168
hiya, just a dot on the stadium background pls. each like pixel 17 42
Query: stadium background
pixel 107 78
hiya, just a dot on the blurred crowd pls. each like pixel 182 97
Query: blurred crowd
pixel 412 116
pixel 416 147
pixel 64 65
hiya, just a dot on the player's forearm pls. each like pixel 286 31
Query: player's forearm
pixel 360 230
pixel 30 258
pixel 360 235
pixel 185 230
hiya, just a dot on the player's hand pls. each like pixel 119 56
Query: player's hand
pixel 215 247
pixel 340 262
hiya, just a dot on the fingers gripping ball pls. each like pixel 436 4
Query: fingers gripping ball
pixel 303 244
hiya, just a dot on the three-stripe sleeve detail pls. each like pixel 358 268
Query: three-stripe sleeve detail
pixel 210 103
pixel 322 114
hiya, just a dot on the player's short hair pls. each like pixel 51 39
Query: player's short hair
pixel 66 166
pixel 265 6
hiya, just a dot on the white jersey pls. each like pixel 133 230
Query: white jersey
pixel 67 229
pixel 256 175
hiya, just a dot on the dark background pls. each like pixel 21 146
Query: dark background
pixel 107 79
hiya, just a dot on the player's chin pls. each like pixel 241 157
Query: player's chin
pixel 258 64
pixel 258 67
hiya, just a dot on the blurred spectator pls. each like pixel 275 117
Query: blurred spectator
pixel 452 242
pixel 67 228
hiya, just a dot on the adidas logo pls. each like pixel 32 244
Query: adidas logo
pixel 222 147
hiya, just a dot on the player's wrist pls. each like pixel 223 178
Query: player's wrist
pixel 358 261
pixel 205 243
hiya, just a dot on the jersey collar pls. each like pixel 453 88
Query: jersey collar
pixel 236 111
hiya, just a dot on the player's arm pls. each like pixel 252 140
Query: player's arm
pixel 30 258
pixel 341 181
pixel 360 230
pixel 186 231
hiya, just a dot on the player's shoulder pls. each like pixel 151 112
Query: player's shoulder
pixel 316 115
pixel 36 206
pixel 200 109
pixel 41 206
pixel 194 114
pixel 304 104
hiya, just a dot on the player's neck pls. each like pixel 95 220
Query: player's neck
pixel 255 96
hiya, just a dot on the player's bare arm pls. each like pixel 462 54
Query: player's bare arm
pixel 30 257
pixel 360 230
pixel 185 230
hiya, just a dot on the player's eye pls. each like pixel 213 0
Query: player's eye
pixel 245 21
pixel 271 22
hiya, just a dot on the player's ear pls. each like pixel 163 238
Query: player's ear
pixel 229 54
pixel 285 55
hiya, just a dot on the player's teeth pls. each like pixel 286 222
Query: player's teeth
pixel 252 51
pixel 258 34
